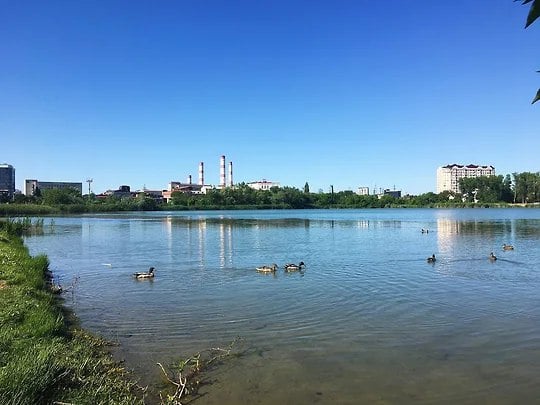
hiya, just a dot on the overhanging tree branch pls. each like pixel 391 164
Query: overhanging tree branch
pixel 534 13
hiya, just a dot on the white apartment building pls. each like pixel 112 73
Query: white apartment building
pixel 363 191
pixel 263 184
pixel 448 176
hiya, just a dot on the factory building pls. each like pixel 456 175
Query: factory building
pixel 7 182
pixel 363 191
pixel 122 192
pixel 31 186
pixel 200 187
pixel 263 184
pixel 448 177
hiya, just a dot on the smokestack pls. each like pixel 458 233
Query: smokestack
pixel 230 175
pixel 222 172
pixel 201 173
pixel 189 179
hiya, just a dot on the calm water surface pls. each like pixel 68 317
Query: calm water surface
pixel 368 321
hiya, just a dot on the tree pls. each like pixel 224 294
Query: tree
pixel 58 196
pixel 506 194
pixel 534 13
pixel 306 188
pixel 146 203
pixel 180 198
pixel 527 187
pixel 487 189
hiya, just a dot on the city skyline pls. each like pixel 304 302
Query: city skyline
pixel 226 180
pixel 347 95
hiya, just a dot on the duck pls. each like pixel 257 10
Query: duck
pixel 492 257
pixel 425 230
pixel 293 267
pixel 431 259
pixel 267 269
pixel 146 274
pixel 508 247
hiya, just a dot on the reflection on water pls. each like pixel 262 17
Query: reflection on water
pixel 368 321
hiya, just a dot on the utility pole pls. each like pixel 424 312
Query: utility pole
pixel 89 181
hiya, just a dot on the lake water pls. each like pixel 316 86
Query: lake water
pixel 368 321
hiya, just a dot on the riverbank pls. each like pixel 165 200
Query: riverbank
pixel 45 357
pixel 7 210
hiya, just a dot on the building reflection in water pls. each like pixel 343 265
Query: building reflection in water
pixel 168 232
pixel 225 244
pixel 450 232
pixel 362 223
pixel 447 231
pixel 201 241
pixel 199 237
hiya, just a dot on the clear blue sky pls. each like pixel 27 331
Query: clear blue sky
pixel 349 93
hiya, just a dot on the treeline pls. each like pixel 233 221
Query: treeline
pixel 70 201
pixel 486 191
pixel 479 191
pixel 520 188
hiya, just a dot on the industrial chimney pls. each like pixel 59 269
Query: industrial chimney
pixel 189 179
pixel 201 173
pixel 230 175
pixel 222 172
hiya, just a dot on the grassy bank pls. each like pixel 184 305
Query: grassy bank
pixel 42 359
pixel 10 210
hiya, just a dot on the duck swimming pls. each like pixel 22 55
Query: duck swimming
pixel 492 257
pixel 146 274
pixel 431 259
pixel 508 247
pixel 267 269
pixel 293 267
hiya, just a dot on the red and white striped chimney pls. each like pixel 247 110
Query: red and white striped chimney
pixel 201 173
pixel 222 172
pixel 230 175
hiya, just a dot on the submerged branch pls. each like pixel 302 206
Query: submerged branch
pixel 189 370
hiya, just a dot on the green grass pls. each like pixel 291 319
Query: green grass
pixel 42 358
pixel 27 209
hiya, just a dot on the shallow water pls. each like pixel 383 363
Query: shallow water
pixel 368 321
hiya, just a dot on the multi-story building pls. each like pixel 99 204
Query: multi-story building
pixel 7 181
pixel 263 184
pixel 391 193
pixel 31 186
pixel 448 177
pixel 363 191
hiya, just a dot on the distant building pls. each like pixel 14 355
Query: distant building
pixel 263 184
pixel 157 195
pixel 391 193
pixel 186 188
pixel 122 192
pixel 363 191
pixel 7 181
pixel 31 186
pixel 448 177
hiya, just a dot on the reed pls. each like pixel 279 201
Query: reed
pixel 21 226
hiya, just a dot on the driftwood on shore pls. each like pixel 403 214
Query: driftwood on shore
pixel 186 376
